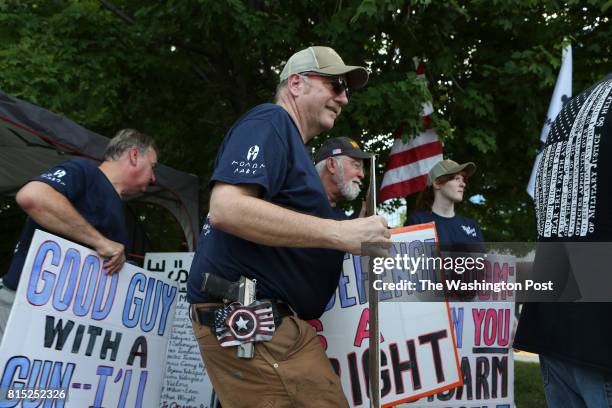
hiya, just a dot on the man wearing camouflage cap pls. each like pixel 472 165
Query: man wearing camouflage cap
pixel 270 220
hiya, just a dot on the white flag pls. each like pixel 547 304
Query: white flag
pixel 561 94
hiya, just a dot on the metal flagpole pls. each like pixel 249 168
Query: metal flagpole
pixel 374 331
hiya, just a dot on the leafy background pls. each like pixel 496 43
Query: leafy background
pixel 184 70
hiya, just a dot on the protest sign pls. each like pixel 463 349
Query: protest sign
pixel 418 354
pixel 185 382
pixel 483 329
pixel 77 337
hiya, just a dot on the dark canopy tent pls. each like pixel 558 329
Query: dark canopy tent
pixel 33 139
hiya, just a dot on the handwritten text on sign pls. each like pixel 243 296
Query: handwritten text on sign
pixel 185 383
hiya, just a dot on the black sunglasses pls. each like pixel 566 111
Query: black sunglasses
pixel 338 83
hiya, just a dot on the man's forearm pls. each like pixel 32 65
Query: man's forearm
pixel 265 223
pixel 56 214
pixel 239 211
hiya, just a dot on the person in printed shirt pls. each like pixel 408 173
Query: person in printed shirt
pixel 573 207
pixel 270 220
pixel 446 183
pixel 82 202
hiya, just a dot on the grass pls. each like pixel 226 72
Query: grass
pixel 528 388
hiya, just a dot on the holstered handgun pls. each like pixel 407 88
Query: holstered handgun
pixel 246 296
pixel 218 289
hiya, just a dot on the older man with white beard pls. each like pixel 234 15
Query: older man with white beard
pixel 339 163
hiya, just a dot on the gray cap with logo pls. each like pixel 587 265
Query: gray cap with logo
pixel 324 61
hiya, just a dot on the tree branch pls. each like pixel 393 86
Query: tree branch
pixel 115 10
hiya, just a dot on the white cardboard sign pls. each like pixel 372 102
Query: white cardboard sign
pixel 185 382
pixel 418 354
pixel 101 339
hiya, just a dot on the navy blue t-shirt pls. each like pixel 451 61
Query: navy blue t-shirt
pixel 451 230
pixel 264 147
pixel 91 194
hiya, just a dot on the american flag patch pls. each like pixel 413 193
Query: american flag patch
pixel 336 151
pixel 237 324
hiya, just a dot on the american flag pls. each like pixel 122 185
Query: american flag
pixel 410 162
pixel 237 324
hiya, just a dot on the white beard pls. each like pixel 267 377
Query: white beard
pixel 349 190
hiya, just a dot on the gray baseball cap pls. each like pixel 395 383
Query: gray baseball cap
pixel 325 61
pixel 446 167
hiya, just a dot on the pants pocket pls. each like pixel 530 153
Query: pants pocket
pixel 284 342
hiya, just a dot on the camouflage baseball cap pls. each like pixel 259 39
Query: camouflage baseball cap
pixel 325 61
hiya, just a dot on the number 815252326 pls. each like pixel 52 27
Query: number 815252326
pixel 35 394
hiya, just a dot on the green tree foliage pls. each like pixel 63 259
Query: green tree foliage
pixel 184 70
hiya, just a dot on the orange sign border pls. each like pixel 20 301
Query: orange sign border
pixel 459 383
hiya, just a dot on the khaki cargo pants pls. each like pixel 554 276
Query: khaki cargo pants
pixel 291 370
